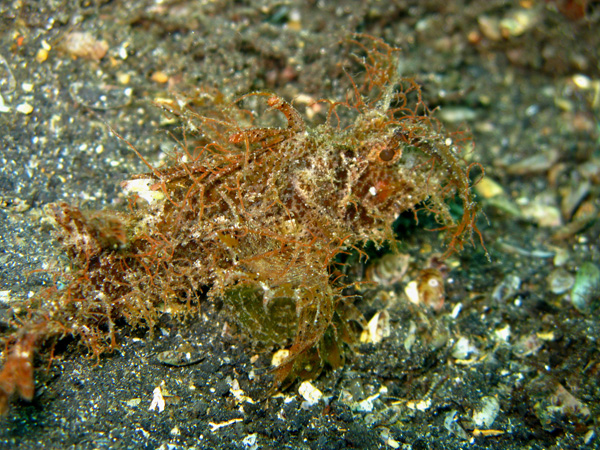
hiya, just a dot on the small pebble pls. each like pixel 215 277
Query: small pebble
pixel 538 163
pixel 309 393
pixel 41 55
pixel 518 22
pixel 489 27
pixel 488 188
pixel 546 216
pixel 582 81
pixel 560 281
pixel 457 114
pixel 586 286
pixel 84 45
pixel 159 77
pixel 123 78
pixel 507 288
pixel 25 108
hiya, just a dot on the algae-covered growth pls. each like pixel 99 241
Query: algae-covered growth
pixel 255 216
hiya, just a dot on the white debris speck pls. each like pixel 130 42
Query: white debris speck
pixel 372 190
pixel 309 393
pixel 158 401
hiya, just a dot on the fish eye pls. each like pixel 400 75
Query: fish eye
pixel 387 154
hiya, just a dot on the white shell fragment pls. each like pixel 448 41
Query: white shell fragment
pixel 5 297
pixel 157 401
pixel 453 427
pixel 411 336
pixel 507 288
pixel 527 345
pixel 377 328
pixel 463 348
pixel 279 357
pixel 546 216
pixel 456 310
pixel 502 334
pixel 412 292
pixel 486 413
pixel 309 393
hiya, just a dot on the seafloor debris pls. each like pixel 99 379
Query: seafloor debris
pixel 260 217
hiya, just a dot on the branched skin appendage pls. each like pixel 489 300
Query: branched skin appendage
pixel 256 216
